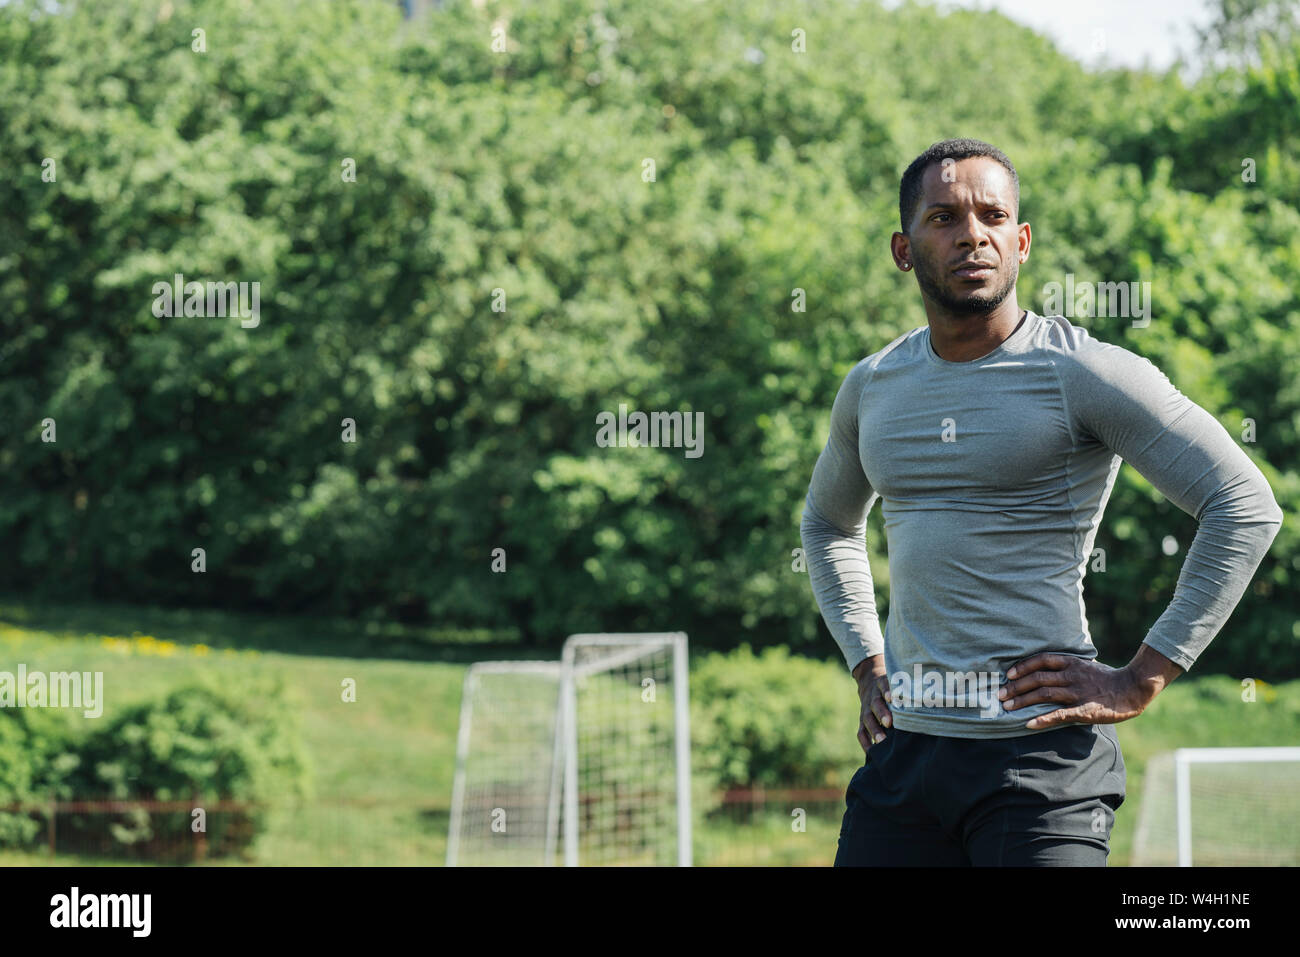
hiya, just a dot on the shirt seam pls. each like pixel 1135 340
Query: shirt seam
pixel 1080 536
pixel 857 422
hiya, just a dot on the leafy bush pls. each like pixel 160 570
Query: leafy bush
pixel 16 774
pixel 774 720
pixel 199 744
pixel 36 755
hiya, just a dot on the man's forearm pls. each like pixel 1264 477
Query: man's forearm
pixel 863 670
pixel 840 574
pixel 1151 671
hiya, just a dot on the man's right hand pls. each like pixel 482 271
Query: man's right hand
pixel 873 691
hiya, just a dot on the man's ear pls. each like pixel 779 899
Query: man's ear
pixel 900 249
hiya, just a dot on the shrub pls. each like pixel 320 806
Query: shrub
pixel 200 744
pixel 774 720
pixel 35 757
pixel 16 772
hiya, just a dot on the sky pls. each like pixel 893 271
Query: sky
pixel 1129 29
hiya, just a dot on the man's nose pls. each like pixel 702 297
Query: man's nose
pixel 973 234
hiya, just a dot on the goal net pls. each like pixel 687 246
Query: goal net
pixel 505 765
pixel 1219 807
pixel 585 761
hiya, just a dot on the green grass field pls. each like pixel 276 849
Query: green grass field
pixel 383 766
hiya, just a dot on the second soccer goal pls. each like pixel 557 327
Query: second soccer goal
pixel 585 761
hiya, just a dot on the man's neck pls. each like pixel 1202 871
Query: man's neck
pixel 957 337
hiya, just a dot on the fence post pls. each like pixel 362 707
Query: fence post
pixel 54 813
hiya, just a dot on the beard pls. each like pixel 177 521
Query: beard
pixel 935 282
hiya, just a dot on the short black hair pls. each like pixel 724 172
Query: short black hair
pixel 909 190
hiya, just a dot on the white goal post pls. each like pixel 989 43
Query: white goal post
pixel 592 750
pixel 1219 807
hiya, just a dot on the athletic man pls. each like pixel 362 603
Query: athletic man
pixel 993 437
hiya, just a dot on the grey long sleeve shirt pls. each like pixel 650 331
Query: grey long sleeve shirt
pixel 993 475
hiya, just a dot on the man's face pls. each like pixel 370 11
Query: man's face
pixel 967 213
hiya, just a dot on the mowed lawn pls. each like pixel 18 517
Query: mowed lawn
pixel 382 767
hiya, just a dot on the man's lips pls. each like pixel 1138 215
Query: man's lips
pixel 974 270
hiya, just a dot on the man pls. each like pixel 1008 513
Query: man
pixel 993 437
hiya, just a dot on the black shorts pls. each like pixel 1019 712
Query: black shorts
pixel 1036 800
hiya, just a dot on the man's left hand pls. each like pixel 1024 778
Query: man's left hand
pixel 1088 691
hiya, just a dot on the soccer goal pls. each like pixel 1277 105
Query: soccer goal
pixel 1219 807
pixel 584 761
pixel 501 801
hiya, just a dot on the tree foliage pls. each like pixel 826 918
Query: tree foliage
pixel 521 174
